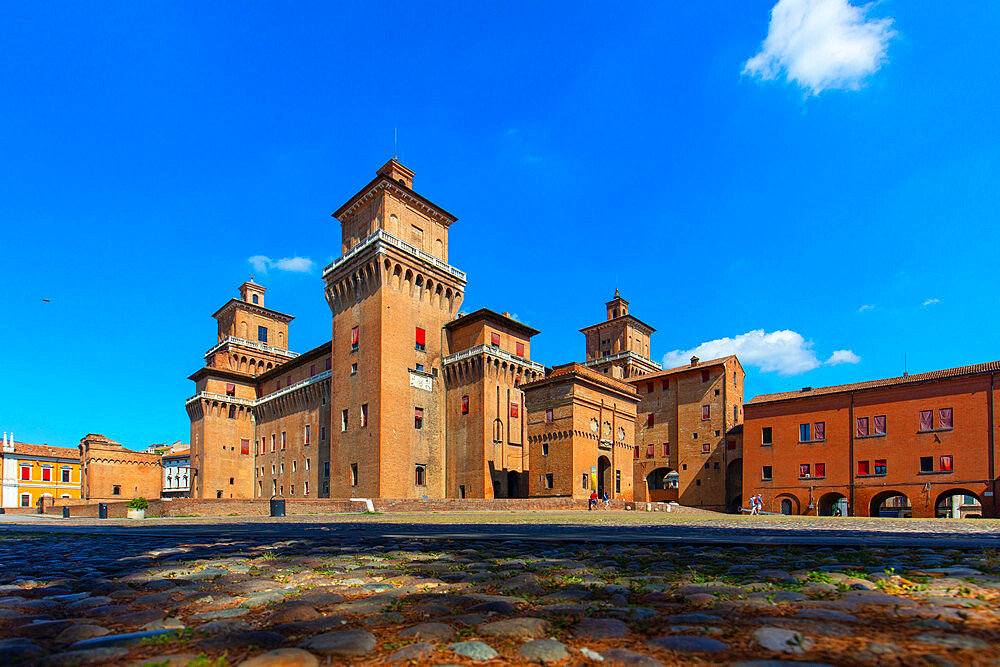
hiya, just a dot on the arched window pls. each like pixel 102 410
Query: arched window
pixel 253 298
pixel 419 476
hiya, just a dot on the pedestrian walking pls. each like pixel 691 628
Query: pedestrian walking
pixel 607 501
pixel 592 502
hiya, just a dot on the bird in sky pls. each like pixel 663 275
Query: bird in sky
pixel 46 301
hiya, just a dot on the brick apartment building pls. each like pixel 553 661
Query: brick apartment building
pixel 109 471
pixel 920 445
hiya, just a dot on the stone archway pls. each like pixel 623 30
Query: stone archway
pixel 661 485
pixel 604 483
pixel 890 504
pixel 832 504
pixel 958 504
pixel 513 484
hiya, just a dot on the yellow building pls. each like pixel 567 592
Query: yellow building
pixel 31 472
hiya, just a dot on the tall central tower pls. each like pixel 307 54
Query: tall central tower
pixel 391 293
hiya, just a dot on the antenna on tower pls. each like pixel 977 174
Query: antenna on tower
pixel 904 365
pixel 395 143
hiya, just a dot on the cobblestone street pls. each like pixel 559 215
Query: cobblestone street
pixel 328 595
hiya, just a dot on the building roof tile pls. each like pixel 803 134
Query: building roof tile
pixel 27 449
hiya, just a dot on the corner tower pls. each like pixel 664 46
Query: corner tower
pixel 619 346
pixel 391 293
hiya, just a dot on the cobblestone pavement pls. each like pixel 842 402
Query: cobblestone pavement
pixel 346 598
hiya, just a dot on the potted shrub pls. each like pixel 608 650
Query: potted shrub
pixel 137 508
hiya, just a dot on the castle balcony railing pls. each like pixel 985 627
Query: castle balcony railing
pixel 222 398
pixel 319 377
pixel 257 345
pixel 627 354
pixel 380 236
pixel 496 352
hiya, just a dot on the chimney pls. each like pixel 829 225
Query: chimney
pixel 505 314
pixel 694 361
pixel 807 388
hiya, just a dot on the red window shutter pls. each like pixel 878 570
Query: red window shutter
pixel 465 405
pixel 862 467
pixel 666 449
pixel 862 427
pixel 635 452
pixel 649 451
pixel 495 339
pixel 421 336
pixel 705 411
pixel 355 336
pixel 519 349
pixel 821 470
pixel 230 389
pixel 46 474
pixel 649 419
pixel 879 424
pixel 945 463
pixel 245 446
pixel 819 431
pixel 926 420
pixel 944 418
pixel 418 413
pixel 25 473
pixel 513 409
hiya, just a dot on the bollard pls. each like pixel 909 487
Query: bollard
pixel 277 507
pixel 102 510
pixel 65 512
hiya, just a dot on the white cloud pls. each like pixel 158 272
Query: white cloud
pixel 931 302
pixel 842 357
pixel 821 45
pixel 865 307
pixel 782 352
pixel 261 264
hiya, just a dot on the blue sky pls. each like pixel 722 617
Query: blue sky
pixel 818 182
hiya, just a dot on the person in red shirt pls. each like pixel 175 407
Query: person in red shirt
pixel 593 500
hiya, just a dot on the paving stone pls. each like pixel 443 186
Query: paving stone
pixel 952 640
pixel 341 642
pixel 474 650
pixel 825 615
pixel 258 638
pixel 494 607
pixel 688 644
pixel 515 628
pixel 439 632
pixel 43 629
pixel 543 651
pixel 223 626
pixel 167 660
pixel 282 657
pixel 782 640
pixel 600 628
pixel 290 612
pixel 79 632
pixel 141 617
pixel 85 657
pixel 232 612
pixel 417 651
pixel 20 649
pixel 623 656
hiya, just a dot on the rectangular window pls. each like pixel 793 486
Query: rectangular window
pixel 465 405
pixel 765 472
pixel 803 470
pixel 277 385
pixel 354 474
pixel 805 432
pixel 765 435
pixel 291 489
pixel 665 385
pixel 418 418
pixel 618 481
pixel 819 431
pixel 25 472
pixel 354 369
pixel 116 490
pixel 862 427
pixel 364 415
pixel 519 349
pixel 272 442
pixel 312 370
pixel 650 451
pixel 288 381
pixel 649 419
pixel 65 475
pixel 545 449
pixel 513 409
pixel 704 376
pixel 945 462
pixel 585 481
pixel 230 389
pixel 25 500
pixel 649 387
pixel 294 465
pixel 730 444
pixel 328 363
pixel 355 337
pixel 421 339
pixel 306 436
pixel 878 424
pixel 944 418
pixel 705 447
pixel 343 420
pixel 245 446
pixel 46 474
pixel 635 452
pixel 326 468
pixel 863 468
pixel 926 420
pixel 322 434
pixel 495 339
pixel 549 481
pixel 666 449
pixel 549 417
pixel 262 334
pixel 305 490
pixel 284 441
pixel 820 469
pixel 706 411
pixel 926 464
pixel 880 467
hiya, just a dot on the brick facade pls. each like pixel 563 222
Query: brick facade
pixel 865 448
pixel 112 472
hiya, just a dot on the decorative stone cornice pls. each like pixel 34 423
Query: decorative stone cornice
pixel 494 352
pixel 381 240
